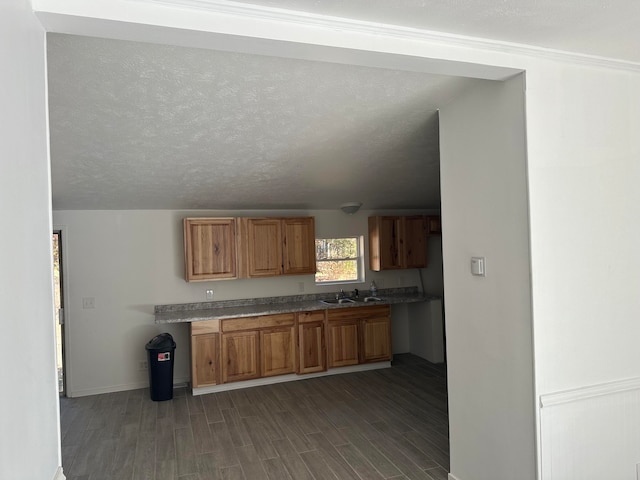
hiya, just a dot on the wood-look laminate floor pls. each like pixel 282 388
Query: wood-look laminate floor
pixel 389 423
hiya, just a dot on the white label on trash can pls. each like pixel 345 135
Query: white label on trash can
pixel 163 357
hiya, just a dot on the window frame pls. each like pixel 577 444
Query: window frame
pixel 359 258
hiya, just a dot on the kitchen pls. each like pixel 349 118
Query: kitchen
pixel 139 255
pixel 116 132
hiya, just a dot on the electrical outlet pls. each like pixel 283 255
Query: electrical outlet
pixel 300 287
pixel 143 365
pixel 209 294
pixel 88 302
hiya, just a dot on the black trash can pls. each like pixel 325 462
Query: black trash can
pixel 160 349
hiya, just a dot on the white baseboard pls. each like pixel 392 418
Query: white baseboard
pixel 59 475
pixel 177 382
pixel 288 378
pixel 452 477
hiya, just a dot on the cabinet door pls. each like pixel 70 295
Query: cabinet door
pixel 210 248
pixel 240 356
pixel 415 241
pixel 434 225
pixel 385 243
pixel 299 253
pixel 343 343
pixel 312 351
pixel 205 359
pixel 264 247
pixel 277 350
pixel 376 339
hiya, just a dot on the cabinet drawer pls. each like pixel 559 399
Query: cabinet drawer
pixel 205 326
pixel 280 320
pixel 235 324
pixel 258 322
pixel 358 312
pixel 306 317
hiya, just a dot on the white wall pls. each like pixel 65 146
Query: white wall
pixel 583 125
pixel 426 330
pixel 129 261
pixel 29 445
pixel 489 324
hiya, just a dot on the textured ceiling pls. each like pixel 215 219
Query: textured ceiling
pixel 136 126
pixel 605 28
pixel 142 126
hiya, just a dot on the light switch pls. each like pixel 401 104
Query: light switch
pixel 478 266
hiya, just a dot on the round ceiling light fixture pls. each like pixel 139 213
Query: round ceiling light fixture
pixel 351 207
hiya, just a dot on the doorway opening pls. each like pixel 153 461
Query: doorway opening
pixel 59 308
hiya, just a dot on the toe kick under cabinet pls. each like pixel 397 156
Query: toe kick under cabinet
pixel 248 348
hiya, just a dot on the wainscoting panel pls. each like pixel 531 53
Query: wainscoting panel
pixel 591 433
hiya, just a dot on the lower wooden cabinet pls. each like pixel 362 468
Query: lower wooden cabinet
pixel 312 350
pixel 205 353
pixel 240 356
pixel 237 349
pixel 376 339
pixel 261 346
pixel 204 359
pixel 359 335
pixel 277 351
pixel 343 343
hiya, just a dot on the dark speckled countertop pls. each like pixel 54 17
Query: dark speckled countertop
pixel 195 312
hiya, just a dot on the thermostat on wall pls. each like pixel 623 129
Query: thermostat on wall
pixel 478 266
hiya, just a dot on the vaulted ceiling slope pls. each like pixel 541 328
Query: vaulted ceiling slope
pixel 145 126
pixel 138 126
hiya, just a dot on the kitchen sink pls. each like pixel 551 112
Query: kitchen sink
pixel 372 299
pixel 337 301
pixel 340 301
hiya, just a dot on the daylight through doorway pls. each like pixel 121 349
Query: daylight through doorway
pixel 59 310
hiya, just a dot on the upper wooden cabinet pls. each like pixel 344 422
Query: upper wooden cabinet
pixel 398 242
pixel 210 249
pixel 299 245
pixel 260 247
pixel 415 241
pixel 277 246
pixel 433 225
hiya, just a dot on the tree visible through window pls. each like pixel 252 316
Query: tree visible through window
pixel 338 260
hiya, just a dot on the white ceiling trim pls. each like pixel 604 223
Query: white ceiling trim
pixel 227 7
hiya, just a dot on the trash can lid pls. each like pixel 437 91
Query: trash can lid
pixel 163 341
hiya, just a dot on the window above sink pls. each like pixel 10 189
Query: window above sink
pixel 339 260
